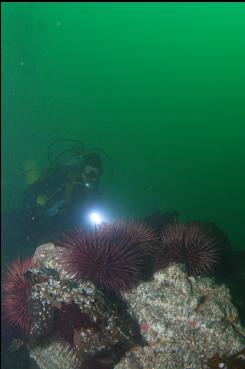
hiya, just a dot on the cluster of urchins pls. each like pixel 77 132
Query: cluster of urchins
pixel 115 257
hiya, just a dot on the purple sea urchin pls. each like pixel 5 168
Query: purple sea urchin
pixel 113 256
pixel 192 244
pixel 71 318
pixel 16 288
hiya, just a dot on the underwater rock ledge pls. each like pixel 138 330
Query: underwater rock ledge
pixel 185 320
pixel 174 320
pixel 85 326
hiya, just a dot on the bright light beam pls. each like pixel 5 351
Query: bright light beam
pixel 95 218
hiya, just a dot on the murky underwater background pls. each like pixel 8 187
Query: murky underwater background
pixel 159 86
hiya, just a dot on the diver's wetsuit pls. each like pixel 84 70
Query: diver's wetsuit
pixel 35 224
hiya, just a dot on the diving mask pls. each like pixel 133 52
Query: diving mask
pixel 90 176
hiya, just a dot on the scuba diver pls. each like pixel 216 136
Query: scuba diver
pixel 58 199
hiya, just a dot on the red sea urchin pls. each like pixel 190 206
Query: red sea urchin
pixel 16 288
pixel 113 256
pixel 191 244
pixel 70 318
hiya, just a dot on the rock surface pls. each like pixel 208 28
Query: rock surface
pixel 185 321
pixel 76 316
pixel 173 321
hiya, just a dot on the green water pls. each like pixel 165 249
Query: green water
pixel 159 86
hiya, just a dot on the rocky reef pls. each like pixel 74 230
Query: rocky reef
pixel 76 323
pixel 169 320
pixel 184 319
